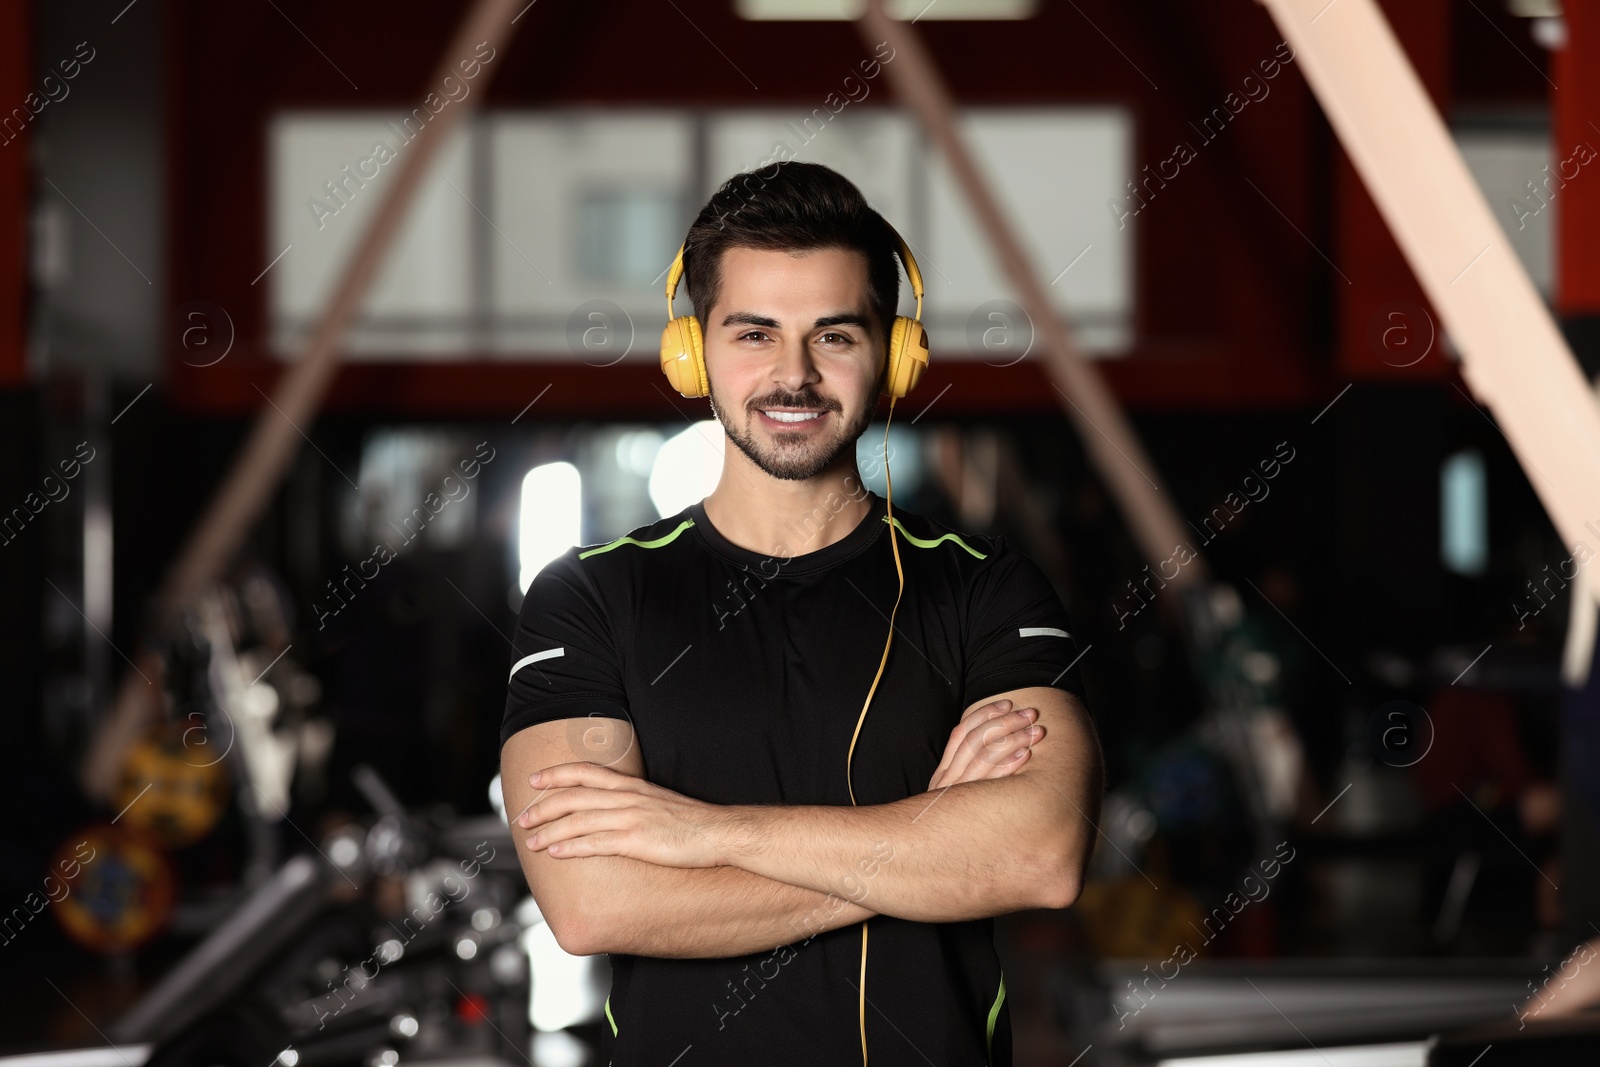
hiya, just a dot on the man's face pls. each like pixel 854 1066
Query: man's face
pixel 794 357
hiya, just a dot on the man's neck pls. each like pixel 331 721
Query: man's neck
pixel 756 511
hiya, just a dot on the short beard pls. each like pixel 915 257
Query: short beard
pixel 802 460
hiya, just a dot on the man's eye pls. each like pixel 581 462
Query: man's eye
pixel 838 338
pixel 752 333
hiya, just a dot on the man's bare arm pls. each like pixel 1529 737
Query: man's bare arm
pixel 621 904
pixel 615 904
pixel 974 850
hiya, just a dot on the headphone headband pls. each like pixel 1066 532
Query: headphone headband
pixel 907 260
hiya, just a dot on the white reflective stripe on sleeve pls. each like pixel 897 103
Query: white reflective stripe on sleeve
pixel 1042 631
pixel 551 653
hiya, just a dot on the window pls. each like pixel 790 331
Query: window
pixel 536 227
pixel 1522 177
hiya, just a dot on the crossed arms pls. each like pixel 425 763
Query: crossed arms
pixel 618 864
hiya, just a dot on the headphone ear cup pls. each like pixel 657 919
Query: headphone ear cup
pixel 891 365
pixel 683 356
pixel 908 356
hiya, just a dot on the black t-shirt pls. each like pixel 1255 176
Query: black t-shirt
pixel 743 675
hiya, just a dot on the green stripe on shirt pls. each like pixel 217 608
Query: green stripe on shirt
pixel 657 543
pixel 994 1013
pixel 923 542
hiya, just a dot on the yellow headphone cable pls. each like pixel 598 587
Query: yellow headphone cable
pixel 894 545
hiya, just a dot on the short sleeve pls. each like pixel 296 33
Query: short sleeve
pixel 1017 632
pixel 564 662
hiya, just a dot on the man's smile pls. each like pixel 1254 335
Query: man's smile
pixel 792 417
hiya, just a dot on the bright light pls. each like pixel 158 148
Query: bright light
pixel 904 460
pixel 1464 513
pixel 551 518
pixel 558 1049
pixel 636 451
pixel 563 991
pixel 497 799
pixel 343 852
pixel 687 467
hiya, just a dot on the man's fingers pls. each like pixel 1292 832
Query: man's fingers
pixel 579 824
pixel 991 748
pixel 992 710
pixel 984 743
pixel 980 714
pixel 997 740
pixel 583 774
pixel 989 740
pixel 984 770
pixel 570 800
pixel 576 772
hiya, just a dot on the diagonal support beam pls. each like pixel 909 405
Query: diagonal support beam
pixel 1112 446
pixel 1513 356
pixel 275 439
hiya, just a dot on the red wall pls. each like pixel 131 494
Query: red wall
pixel 1576 110
pixel 1233 304
pixel 1383 315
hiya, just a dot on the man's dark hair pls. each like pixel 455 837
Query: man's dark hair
pixel 790 207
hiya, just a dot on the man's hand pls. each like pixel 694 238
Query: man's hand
pixel 991 741
pixel 597 811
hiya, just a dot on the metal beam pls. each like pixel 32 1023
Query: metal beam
pixel 275 438
pixel 1513 357
pixel 1107 437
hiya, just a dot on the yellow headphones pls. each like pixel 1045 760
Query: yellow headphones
pixel 683 349
pixel 683 359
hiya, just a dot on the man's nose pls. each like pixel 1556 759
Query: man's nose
pixel 794 367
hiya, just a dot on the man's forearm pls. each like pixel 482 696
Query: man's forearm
pixel 956 856
pixel 649 910
pixel 969 851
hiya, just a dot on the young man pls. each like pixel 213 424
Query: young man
pixel 690 693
